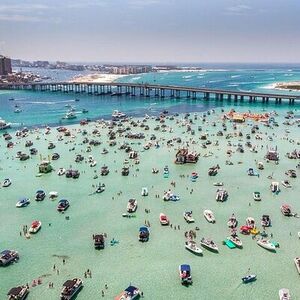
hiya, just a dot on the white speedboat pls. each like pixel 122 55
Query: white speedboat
pixel 131 205
pixel 117 115
pixel 192 246
pixel 61 171
pixel 297 263
pixel 188 216
pixel 209 244
pixel 286 184
pixel 6 182
pixel 256 196
pixel 266 244
pixel 93 164
pixel 265 221
pixel 232 222
pixel 209 216
pixel 250 222
pixel 70 115
pixel 284 294
pixel 23 202
pixel 163 219
pixel 53 194
pixel 275 187
pixel 144 191
pixel 35 227
pixel 218 183
pixel 235 240
pixel 4 125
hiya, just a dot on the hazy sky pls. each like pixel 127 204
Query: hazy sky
pixel 151 30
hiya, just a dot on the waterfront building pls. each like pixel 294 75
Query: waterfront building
pixel 5 65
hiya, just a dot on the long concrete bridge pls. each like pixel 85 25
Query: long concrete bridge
pixel 150 90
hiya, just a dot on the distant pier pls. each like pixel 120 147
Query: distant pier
pixel 151 90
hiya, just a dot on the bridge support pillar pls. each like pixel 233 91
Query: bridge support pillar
pixel 194 95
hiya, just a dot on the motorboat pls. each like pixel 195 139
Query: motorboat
pixel 104 170
pixel 99 241
pixel 8 256
pixel 213 171
pixel 35 227
pixel 71 288
pixel 221 195
pixel 209 244
pixel 4 125
pixel 185 274
pixel 218 183
pixel 144 234
pixel 53 195
pixel 6 182
pixel 23 202
pixel 232 222
pixel 275 187
pixel 125 171
pixel 192 246
pixel 144 191
pixel 93 164
pixel 245 229
pixel 169 196
pixel 256 196
pixel 286 210
pixel 61 171
pixel 100 188
pixel 132 206
pixel 117 115
pixel 209 216
pixel 284 294
pixel 70 115
pixel 297 263
pixel 40 195
pixel 249 278
pixel 130 293
pixel 250 222
pixel 291 173
pixel 235 240
pixel 163 219
pixel 251 172
pixel 18 293
pixel 286 184
pixel 266 244
pixel 188 217
pixel 63 205
pixel 265 221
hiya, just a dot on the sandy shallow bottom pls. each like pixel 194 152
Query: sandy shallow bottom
pixel 152 266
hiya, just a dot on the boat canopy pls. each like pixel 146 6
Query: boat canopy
pixel 131 289
pixel 144 229
pixel 186 268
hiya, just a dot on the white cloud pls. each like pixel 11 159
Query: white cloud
pixel 239 9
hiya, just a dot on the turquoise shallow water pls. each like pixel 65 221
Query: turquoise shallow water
pixel 152 266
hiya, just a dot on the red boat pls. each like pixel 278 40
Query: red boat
pixel 245 229
pixel 163 219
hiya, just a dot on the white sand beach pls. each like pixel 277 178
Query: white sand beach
pixel 96 78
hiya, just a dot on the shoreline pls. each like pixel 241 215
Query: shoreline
pixel 96 78
pixel 293 86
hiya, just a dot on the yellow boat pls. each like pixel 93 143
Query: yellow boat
pixel 254 231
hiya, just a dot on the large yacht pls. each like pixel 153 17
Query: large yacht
pixel 71 288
